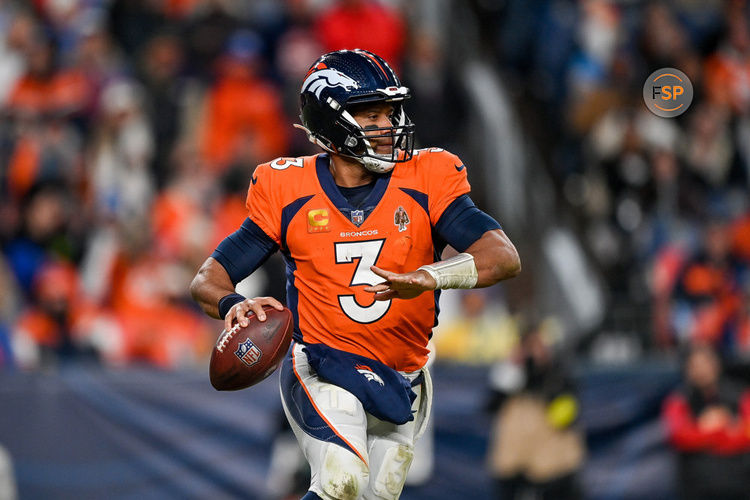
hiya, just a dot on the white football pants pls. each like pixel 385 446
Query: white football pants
pixel 351 454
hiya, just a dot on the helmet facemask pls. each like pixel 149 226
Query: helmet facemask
pixel 360 142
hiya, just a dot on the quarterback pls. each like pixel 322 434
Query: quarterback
pixel 362 227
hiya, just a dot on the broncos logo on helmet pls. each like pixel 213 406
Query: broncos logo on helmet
pixel 319 80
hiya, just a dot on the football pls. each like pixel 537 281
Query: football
pixel 242 357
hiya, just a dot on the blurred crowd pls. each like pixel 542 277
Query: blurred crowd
pixel 707 423
pixel 660 204
pixel 129 130
pixel 662 207
pixel 128 135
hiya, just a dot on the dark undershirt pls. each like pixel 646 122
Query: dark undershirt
pixel 356 195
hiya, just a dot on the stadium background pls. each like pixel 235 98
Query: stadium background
pixel 130 128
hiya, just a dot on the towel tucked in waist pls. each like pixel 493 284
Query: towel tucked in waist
pixel 384 392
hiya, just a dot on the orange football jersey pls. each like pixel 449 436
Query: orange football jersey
pixel 329 247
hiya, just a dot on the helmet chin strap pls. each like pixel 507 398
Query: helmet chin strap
pixel 375 165
pixel 371 161
pixel 371 164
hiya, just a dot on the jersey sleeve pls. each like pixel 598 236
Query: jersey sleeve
pixel 244 251
pixel 447 181
pixel 462 223
pixel 263 202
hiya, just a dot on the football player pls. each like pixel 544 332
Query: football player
pixel 362 227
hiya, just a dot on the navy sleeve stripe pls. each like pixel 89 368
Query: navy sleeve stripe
pixel 419 197
pixel 462 223
pixel 288 213
pixel 244 251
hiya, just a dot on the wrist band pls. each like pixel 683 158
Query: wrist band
pixel 227 301
pixel 457 272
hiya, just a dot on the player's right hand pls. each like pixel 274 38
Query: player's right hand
pixel 240 311
pixel 400 286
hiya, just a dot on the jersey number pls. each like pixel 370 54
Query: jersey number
pixel 367 253
pixel 284 163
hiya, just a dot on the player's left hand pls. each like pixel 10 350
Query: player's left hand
pixel 400 286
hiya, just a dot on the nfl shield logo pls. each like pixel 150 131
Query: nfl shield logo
pixel 248 352
pixel 358 216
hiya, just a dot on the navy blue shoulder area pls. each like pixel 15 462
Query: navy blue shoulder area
pixel 244 251
pixel 288 213
pixel 419 197
pixel 462 223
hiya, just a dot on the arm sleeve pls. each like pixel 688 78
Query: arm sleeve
pixel 244 251
pixel 462 223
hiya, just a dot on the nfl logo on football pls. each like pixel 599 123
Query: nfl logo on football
pixel 358 216
pixel 248 352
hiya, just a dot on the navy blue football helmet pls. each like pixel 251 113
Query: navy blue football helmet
pixel 341 79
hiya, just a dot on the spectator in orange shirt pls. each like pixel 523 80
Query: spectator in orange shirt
pixel 52 329
pixel 180 218
pixel 707 291
pixel 46 90
pixel 243 110
pixel 42 105
pixel 148 289
pixel 728 71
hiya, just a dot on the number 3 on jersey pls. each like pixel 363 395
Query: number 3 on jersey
pixel 284 163
pixel 367 253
